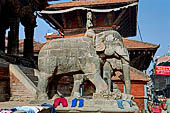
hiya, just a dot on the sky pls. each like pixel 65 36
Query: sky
pixel 154 23
pixel 153 20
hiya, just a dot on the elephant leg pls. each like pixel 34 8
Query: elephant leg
pixel 126 76
pixel 107 72
pixel 78 80
pixel 99 83
pixel 93 71
pixel 42 86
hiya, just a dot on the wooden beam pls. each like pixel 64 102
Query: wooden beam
pixel 117 21
pixel 55 21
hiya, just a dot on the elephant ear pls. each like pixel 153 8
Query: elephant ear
pixel 100 46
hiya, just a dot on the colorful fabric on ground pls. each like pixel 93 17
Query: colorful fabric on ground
pixel 57 102
pixel 74 102
pixel 52 109
pixel 27 109
pixel 120 105
pixel 5 111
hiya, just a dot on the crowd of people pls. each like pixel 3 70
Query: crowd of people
pixel 159 106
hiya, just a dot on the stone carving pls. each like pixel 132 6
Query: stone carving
pixel 73 56
pixel 89 24
pixel 114 57
pixel 84 57
pixel 78 57
pixel 89 31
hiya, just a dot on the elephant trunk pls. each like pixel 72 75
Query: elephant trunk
pixel 109 52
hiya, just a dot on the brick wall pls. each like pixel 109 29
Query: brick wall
pixel 4 83
pixel 138 92
pixel 4 91
pixel 137 89
pixel 140 102
pixel 18 91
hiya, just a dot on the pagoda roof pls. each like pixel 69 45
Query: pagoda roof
pixel 70 17
pixel 89 3
pixel 141 53
pixel 162 59
pixel 137 45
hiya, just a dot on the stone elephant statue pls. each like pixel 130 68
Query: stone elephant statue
pixel 69 56
pixel 114 57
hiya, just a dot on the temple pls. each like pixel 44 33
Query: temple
pixel 69 18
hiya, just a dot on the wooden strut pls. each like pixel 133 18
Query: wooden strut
pixel 55 21
pixel 117 21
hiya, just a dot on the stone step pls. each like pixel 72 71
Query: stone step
pixel 29 72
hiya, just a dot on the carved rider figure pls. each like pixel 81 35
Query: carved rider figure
pixel 89 19
pixel 89 31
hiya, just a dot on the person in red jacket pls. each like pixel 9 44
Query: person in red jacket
pixel 156 108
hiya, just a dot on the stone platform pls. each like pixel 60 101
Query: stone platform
pixel 96 106
pixel 90 106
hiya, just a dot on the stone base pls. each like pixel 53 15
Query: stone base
pixel 113 96
pixel 94 105
pixel 98 106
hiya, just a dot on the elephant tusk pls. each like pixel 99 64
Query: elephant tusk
pixel 122 57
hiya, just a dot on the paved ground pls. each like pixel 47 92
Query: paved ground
pixel 12 104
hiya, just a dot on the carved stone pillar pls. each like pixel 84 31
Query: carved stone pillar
pixel 2 39
pixel 110 18
pixel 79 19
pixel 28 42
pixel 13 37
pixel 94 19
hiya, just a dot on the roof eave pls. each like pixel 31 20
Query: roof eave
pixel 86 4
pixel 153 48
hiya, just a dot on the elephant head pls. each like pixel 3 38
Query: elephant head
pixel 114 56
pixel 110 43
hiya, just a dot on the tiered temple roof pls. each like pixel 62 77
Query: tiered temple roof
pixel 70 17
